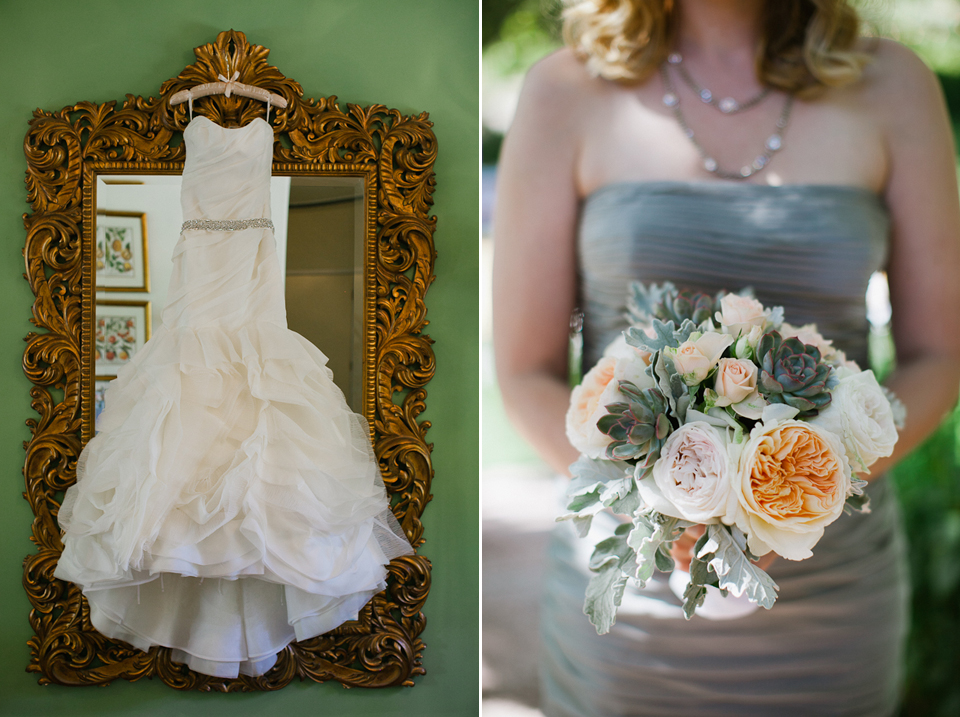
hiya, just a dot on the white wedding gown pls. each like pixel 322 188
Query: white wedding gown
pixel 231 502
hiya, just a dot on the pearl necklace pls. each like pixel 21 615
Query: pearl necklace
pixel 727 105
pixel 773 143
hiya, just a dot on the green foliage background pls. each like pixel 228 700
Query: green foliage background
pixel 518 32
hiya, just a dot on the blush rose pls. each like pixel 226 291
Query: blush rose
pixel 736 380
pixel 738 314
pixel 692 478
pixel 695 358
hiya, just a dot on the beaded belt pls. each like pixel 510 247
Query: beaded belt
pixel 226 225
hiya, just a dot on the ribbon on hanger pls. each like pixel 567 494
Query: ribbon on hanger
pixel 229 83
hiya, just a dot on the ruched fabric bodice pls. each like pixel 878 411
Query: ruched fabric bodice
pixel 227 170
pixel 808 248
pixel 833 642
pixel 226 177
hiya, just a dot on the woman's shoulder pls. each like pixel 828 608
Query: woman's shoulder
pixel 562 92
pixel 562 77
pixel 896 85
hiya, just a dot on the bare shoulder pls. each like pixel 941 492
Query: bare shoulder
pixel 898 87
pixel 560 70
pixel 561 83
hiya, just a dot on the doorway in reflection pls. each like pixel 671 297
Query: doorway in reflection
pixel 324 274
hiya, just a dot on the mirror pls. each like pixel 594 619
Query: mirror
pixel 318 227
pixel 352 192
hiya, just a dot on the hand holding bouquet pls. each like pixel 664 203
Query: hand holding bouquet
pixel 713 410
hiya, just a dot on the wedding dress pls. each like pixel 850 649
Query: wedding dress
pixel 231 502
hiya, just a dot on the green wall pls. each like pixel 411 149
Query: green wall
pixel 413 55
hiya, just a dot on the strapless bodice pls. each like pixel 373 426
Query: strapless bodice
pixel 809 248
pixel 227 171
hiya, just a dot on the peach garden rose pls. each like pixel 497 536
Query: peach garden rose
pixel 588 401
pixel 792 482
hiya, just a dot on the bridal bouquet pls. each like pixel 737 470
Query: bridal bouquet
pixel 713 410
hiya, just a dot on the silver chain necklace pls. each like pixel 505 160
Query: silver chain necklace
pixel 727 105
pixel 773 143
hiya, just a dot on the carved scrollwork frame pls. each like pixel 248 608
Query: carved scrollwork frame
pixel 394 154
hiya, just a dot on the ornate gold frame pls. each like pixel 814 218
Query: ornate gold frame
pixel 394 154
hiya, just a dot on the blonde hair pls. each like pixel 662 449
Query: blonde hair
pixel 805 46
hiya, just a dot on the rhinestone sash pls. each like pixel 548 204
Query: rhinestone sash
pixel 226 225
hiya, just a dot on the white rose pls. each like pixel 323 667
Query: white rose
pixel 738 314
pixel 861 415
pixel 736 379
pixel 589 401
pixel 792 481
pixel 696 357
pixel 692 479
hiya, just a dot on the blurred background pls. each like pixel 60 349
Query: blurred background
pixel 520 495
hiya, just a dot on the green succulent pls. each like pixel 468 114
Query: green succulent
pixel 638 426
pixel 792 372
pixel 667 303
pixel 685 304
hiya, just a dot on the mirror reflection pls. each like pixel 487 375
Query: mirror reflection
pixel 318 226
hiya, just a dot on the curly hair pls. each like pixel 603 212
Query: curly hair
pixel 805 45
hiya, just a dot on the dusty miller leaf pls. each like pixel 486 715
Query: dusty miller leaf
pixel 734 570
pixel 667 335
pixel 701 575
pixel 642 300
pixel 663 559
pixel 644 541
pixel 671 385
pixel 859 503
pixel 696 592
pixel 858 500
pixel 596 484
pixel 629 503
pixel 650 531
pixel 612 561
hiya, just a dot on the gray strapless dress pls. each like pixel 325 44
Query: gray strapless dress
pixel 833 643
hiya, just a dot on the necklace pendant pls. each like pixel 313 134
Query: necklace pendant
pixel 671 100
pixel 728 105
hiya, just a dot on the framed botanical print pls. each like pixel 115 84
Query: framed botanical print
pixel 122 260
pixel 122 328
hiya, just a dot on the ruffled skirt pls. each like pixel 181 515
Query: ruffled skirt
pixel 231 502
